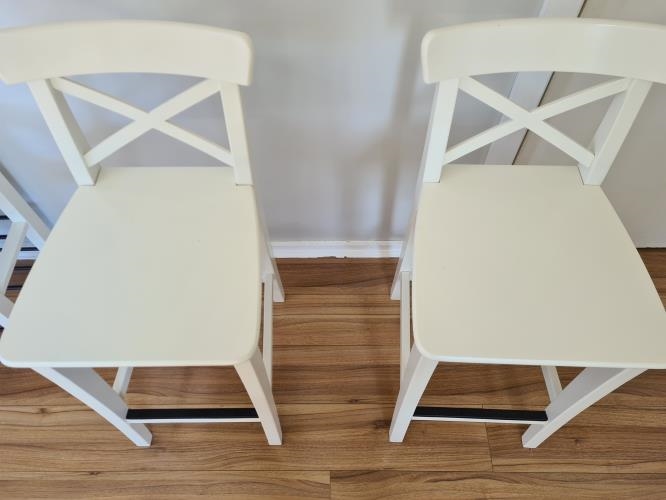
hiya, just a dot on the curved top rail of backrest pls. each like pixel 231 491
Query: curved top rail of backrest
pixel 599 46
pixel 78 48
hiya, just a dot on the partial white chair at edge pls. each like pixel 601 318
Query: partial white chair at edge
pixel 528 264
pixel 146 266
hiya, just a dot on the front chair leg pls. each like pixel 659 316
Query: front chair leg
pixel 91 389
pixel 587 388
pixel 253 375
pixel 417 374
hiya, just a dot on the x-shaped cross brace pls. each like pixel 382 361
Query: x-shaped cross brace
pixel 146 120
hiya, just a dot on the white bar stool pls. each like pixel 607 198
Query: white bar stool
pixel 528 264
pixel 111 287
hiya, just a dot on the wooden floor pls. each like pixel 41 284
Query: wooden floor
pixel 335 383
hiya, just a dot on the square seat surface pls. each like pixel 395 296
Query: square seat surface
pixel 152 266
pixel 527 265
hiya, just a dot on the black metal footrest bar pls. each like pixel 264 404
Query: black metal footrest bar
pixel 480 415
pixel 176 415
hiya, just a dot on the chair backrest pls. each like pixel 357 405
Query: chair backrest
pixel 630 52
pixel 44 56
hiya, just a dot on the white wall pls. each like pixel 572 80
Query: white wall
pixel 636 184
pixel 336 114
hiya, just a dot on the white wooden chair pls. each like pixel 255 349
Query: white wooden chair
pixel 23 223
pixel 528 264
pixel 111 287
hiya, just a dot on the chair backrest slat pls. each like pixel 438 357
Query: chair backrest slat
pixel 92 47
pixel 155 119
pixel 233 111
pixel 44 56
pixel 543 112
pixel 65 130
pixel 613 130
pixel 441 118
pixel 611 48
pixel 600 46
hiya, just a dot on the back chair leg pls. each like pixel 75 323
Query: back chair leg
pixel 417 374
pixel 552 380
pixel 267 350
pixel 91 389
pixel 253 375
pixel 587 388
pixel 122 380
pixel 278 288
pixel 405 321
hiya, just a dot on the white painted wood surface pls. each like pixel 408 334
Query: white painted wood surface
pixel 253 375
pixel 112 287
pixel 14 206
pixel 530 266
pixel 23 221
pixel 613 130
pixel 156 119
pixel 599 46
pixel 107 289
pixel 405 321
pixel 233 112
pixel 124 46
pixel 552 380
pixel 432 160
pixel 528 88
pixel 267 350
pixel 65 131
pixel 122 380
pixel 587 388
pixel 527 119
pixel 91 389
pixel 482 232
pixel 417 374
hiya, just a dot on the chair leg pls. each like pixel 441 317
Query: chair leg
pixel 91 389
pixel 405 321
pixel 417 374
pixel 122 380
pixel 278 288
pixel 587 388
pixel 253 375
pixel 267 350
pixel 552 380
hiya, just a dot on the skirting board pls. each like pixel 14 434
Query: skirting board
pixel 355 249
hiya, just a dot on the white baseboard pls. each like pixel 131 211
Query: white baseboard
pixel 357 249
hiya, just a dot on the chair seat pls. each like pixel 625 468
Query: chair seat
pixel 527 265
pixel 150 267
